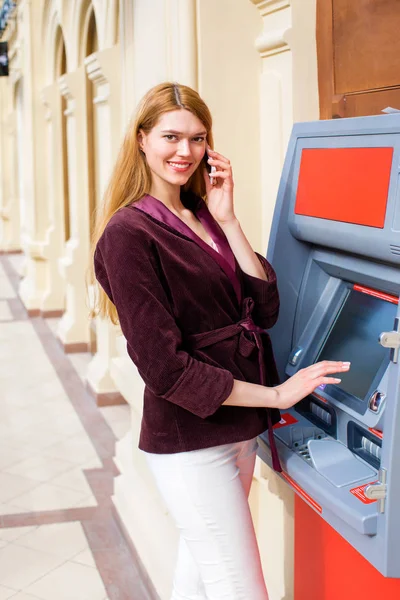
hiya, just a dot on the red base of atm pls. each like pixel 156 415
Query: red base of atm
pixel 328 568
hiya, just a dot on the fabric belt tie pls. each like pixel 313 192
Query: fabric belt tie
pixel 245 347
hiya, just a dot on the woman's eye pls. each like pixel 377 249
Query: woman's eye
pixel 170 137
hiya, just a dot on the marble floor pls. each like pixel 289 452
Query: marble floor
pixel 58 537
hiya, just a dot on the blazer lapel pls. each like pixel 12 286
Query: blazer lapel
pixel 225 257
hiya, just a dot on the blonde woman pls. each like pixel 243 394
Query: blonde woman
pixel 193 301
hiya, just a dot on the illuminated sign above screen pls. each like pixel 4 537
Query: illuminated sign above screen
pixel 345 184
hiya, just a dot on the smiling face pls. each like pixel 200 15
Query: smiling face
pixel 174 148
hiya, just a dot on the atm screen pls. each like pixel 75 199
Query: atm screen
pixel 354 337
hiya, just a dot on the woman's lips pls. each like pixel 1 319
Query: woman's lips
pixel 179 167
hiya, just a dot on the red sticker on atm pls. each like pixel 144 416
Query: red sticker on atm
pixel 286 419
pixel 359 492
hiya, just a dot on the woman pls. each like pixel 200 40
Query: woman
pixel 187 289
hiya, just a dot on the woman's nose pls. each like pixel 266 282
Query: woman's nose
pixel 183 148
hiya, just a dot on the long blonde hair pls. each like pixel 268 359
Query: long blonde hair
pixel 131 176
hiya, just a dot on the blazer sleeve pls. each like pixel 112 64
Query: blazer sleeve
pixel 264 293
pixel 124 268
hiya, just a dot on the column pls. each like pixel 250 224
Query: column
pixel 182 33
pixel 276 94
pixel 74 327
pixel 288 92
pixel 10 239
pixel 127 57
pixel 228 75
pixel 274 519
pixel 103 74
pixel 288 86
pixel 54 297
pixel 33 202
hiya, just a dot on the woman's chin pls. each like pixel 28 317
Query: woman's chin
pixel 178 178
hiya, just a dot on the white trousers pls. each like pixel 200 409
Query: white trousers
pixel 206 492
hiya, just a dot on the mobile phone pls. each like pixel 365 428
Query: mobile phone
pixel 209 168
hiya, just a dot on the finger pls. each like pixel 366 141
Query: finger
pixel 331 370
pixel 326 380
pixel 219 163
pixel 222 174
pixel 218 156
pixel 327 372
pixel 328 366
pixel 206 176
pixel 332 363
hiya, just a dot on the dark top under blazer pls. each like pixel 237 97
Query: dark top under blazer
pixel 167 285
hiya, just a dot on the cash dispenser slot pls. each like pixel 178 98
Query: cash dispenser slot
pixel 364 444
pixel 320 414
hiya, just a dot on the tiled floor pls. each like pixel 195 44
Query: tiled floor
pixel 58 538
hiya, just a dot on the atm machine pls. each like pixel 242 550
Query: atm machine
pixel 335 245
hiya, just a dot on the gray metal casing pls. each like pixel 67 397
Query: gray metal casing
pixel 316 261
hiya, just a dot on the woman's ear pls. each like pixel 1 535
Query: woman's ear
pixel 140 137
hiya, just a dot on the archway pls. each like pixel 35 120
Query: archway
pixel 91 44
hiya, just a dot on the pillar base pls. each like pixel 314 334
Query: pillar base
pixel 106 398
pixel 75 347
pixel 52 314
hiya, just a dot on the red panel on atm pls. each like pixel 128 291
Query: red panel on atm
pixel 344 184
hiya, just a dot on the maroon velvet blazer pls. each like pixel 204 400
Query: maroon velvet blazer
pixel 171 290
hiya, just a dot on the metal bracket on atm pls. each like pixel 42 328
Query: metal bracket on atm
pixel 391 339
pixel 377 491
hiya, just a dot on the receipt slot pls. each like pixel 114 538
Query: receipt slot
pixel 335 245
